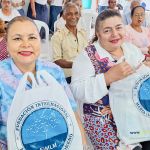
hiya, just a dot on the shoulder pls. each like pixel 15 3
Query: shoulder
pixel 130 48
pixel 59 34
pixel 50 67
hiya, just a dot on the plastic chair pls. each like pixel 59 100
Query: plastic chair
pixel 46 52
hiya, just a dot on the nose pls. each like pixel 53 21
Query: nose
pixel 25 43
pixel 114 32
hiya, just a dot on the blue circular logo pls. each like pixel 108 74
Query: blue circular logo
pixel 141 94
pixel 44 125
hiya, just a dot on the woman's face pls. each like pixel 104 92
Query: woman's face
pixel 23 43
pixel 111 33
pixel 138 16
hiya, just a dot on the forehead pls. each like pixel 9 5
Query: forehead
pixel 110 22
pixel 6 0
pixel 139 9
pixel 22 27
pixel 72 8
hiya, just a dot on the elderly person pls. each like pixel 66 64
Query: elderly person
pixel 69 41
pixel 24 49
pixel 136 33
pixel 38 10
pixel 60 23
pixel 99 65
pixel 7 12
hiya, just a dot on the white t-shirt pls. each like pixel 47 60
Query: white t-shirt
pixel 13 14
pixel 42 2
pixel 57 2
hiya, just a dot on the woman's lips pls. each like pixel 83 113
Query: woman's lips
pixel 114 41
pixel 25 53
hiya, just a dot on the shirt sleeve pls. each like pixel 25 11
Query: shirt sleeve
pixel 56 42
pixel 3 145
pixel 86 86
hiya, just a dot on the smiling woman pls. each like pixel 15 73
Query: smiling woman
pixel 24 49
pixel 106 60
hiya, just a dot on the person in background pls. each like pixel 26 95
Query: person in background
pixel 7 12
pixel 94 69
pixel 136 33
pixel 127 14
pixel 60 22
pixel 112 4
pixel 55 9
pixel 3 45
pixel 69 41
pixel 18 4
pixel 24 49
pixel 38 10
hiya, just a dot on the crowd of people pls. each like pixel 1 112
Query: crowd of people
pixel 84 67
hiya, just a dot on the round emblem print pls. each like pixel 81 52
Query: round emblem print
pixel 44 125
pixel 141 94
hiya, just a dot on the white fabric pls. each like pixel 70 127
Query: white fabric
pixel 14 13
pixel 42 127
pixel 88 87
pixel 103 2
pixel 17 1
pixel 131 118
pixel 56 2
pixel 42 2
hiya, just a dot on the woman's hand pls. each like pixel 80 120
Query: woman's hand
pixel 118 72
pixel 106 110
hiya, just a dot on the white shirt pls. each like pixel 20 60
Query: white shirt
pixel 57 2
pixel 88 87
pixel 42 2
pixel 13 14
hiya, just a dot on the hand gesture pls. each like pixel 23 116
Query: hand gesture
pixel 118 72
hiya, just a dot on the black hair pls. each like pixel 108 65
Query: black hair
pixel 133 9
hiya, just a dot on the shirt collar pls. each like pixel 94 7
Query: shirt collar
pixel 17 72
pixel 66 30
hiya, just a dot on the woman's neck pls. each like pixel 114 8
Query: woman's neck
pixel 116 54
pixel 27 68
pixel 72 29
pixel 136 27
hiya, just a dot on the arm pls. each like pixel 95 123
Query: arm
pixel 58 51
pixel 84 141
pixel 32 2
pixel 86 86
pixel 64 63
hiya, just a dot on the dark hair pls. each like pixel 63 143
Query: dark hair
pixel 133 9
pixel 108 13
pixel 19 19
